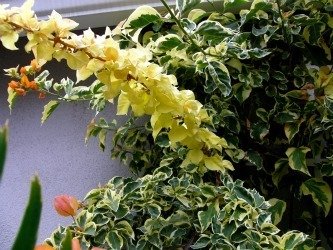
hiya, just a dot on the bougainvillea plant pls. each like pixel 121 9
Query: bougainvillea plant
pixel 238 98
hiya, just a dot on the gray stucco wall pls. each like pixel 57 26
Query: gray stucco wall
pixel 55 151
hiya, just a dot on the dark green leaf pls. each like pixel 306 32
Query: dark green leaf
pixel 169 43
pixel 218 74
pixel 286 116
pixel 313 33
pixel 259 130
pixel 244 194
pixel 232 5
pixel 277 209
pixel 154 210
pixel 202 242
pixel 255 158
pixel 291 129
pixel 297 159
pixel 281 169
pixel 162 140
pixel 205 217
pixel 114 240
pixel 320 191
pixel 213 32
pixel 241 91
pixel 143 21
pixel 27 235
pixel 327 169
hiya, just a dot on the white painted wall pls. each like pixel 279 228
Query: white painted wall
pixel 56 151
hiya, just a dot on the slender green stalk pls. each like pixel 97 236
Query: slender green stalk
pixel 181 26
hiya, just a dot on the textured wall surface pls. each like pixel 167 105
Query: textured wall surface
pixel 55 151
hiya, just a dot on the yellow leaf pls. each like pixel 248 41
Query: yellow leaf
pixel 159 121
pixel 44 50
pixel 83 73
pixel 177 133
pixel 9 39
pixel 235 63
pixel 216 163
pixel 195 156
pixel 77 60
pixel 123 104
pixel 95 65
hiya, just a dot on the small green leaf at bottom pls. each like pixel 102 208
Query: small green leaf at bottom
pixel 27 235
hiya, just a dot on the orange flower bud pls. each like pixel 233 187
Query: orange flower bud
pixel 20 91
pixel 43 247
pixel 97 248
pixel 13 84
pixel 66 205
pixel 41 95
pixel 25 81
pixel 76 244
pixel 23 70
pixel 34 65
pixel 32 85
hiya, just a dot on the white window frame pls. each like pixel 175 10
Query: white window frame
pixel 89 13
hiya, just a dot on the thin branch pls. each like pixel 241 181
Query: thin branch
pixel 181 26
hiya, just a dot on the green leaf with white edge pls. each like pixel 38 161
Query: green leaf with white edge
pixel 297 159
pixel 232 5
pixel 141 17
pixel 219 75
pixel 3 147
pixel 206 217
pixel 241 91
pixel 66 244
pixel 112 199
pixel 90 229
pixel 286 117
pixel 255 158
pixel 244 194
pixel 291 129
pixel 259 130
pixel 186 5
pixel 27 235
pixel 12 95
pixel 291 240
pixel 154 210
pixel 281 169
pixel 277 208
pixel 213 31
pixel 327 169
pixel 269 228
pixel 320 191
pixel 125 226
pixel 202 242
pixel 168 42
pixel 48 109
pixel 313 33
pixel 114 240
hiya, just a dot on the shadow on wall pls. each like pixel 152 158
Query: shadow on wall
pixel 56 151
